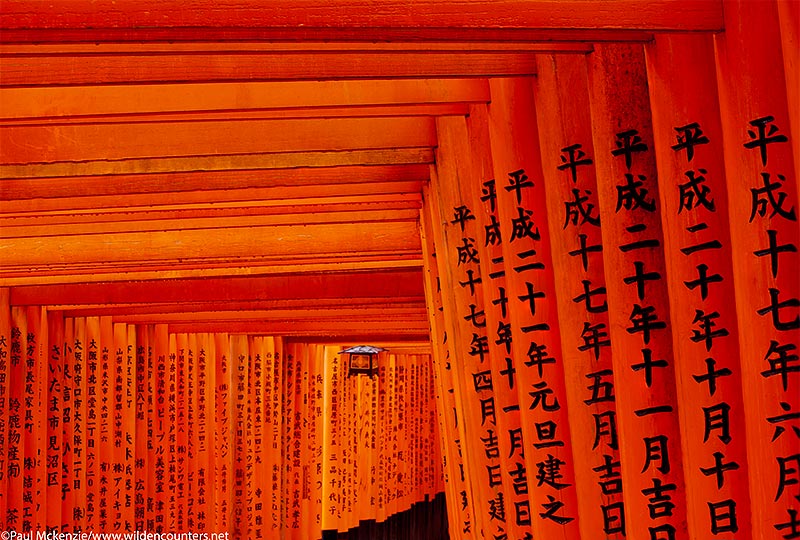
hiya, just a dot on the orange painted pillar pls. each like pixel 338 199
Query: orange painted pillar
pixel 638 305
pixel 687 136
pixel 78 439
pixel 129 422
pixel 565 136
pixel 36 417
pixel 457 495
pixel 758 138
pixel 16 449
pixel 105 450
pixel 22 494
pixel 205 433
pixel 117 487
pixel 224 450
pixel 274 419
pixel 55 415
pixel 522 214
pixel 463 301
pixel 191 433
pixel 507 438
pixel 180 486
pixel 240 518
pixel 93 471
pixel 141 437
pixel 149 473
pixel 331 441
pixel 5 405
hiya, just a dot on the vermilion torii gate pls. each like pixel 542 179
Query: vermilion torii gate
pixel 574 225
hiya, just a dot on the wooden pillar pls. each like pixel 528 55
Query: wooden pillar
pixel 457 492
pixel 463 301
pixel 687 136
pixel 762 184
pixel 55 410
pixel 5 406
pixel 565 135
pixel 480 185
pixel 224 449
pixel 94 471
pixel 522 212
pixel 638 304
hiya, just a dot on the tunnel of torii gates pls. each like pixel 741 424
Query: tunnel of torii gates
pixel 573 226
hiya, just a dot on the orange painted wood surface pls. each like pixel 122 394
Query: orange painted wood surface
pixel 694 202
pixel 565 136
pixel 762 185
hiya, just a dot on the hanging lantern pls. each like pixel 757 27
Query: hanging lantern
pixel 363 359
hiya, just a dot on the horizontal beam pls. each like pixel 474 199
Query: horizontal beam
pixel 276 196
pixel 332 304
pixel 38 188
pixel 106 272
pixel 390 156
pixel 376 285
pixel 365 18
pixel 371 217
pixel 417 315
pixel 243 210
pixel 230 244
pixel 305 328
pixel 323 113
pixel 90 70
pixel 87 142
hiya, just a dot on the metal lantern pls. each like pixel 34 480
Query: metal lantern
pixel 363 359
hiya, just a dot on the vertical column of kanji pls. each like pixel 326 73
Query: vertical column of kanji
pixel 117 473
pixel 348 455
pixel 140 432
pixel 24 417
pixel 457 491
pixel 330 441
pixel 303 401
pixel 129 428
pixel 382 433
pixel 78 439
pixel 239 518
pixel 687 134
pixel 55 395
pixel 204 436
pixel 93 472
pixel 224 451
pixel 181 435
pixel 190 373
pixel 532 308
pixel 15 460
pixel 290 495
pixel 250 459
pixel 462 296
pixel 36 395
pixel 403 427
pixel 789 16
pixel 316 421
pixel 763 205
pixel 171 456
pixel 565 137
pixel 641 339
pixel 5 410
pixel 259 450
pixel 160 376
pixel 274 417
pixel 507 441
pixel 105 423
pixel 150 434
